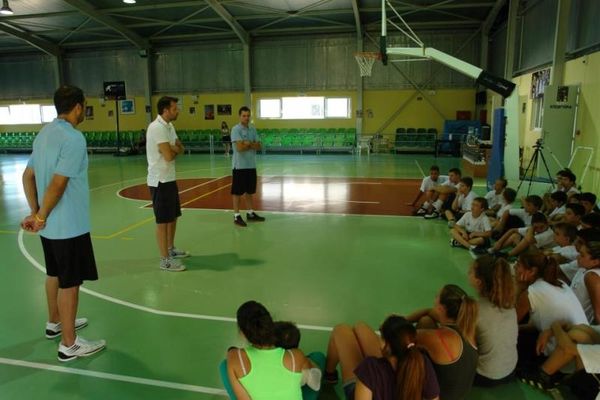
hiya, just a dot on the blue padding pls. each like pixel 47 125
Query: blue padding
pixel 496 164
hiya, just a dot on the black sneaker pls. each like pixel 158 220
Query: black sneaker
pixel 479 250
pixel 254 217
pixel 331 377
pixel 239 221
pixel 432 215
pixel 538 378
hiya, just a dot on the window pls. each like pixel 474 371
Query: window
pixel 337 107
pixel 4 116
pixel 304 107
pixel 48 113
pixel 25 114
pixel 537 113
pixel 269 108
pixel 19 114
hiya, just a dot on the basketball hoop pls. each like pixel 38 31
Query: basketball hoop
pixel 365 61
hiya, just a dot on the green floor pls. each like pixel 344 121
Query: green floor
pixel 167 332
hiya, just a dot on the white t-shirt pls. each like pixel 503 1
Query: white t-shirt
pixel 571 191
pixel 494 199
pixel 472 224
pixel 503 209
pixel 568 252
pixel 551 303
pixel 543 240
pixel 590 356
pixel 451 184
pixel 570 269
pixel 427 184
pixel 521 213
pixel 464 202
pixel 159 169
pixel 557 211
pixel 580 290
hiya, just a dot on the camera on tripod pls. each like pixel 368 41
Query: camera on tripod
pixel 539 144
pixel 532 168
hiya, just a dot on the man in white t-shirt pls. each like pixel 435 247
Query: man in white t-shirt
pixel 162 147
pixel 539 235
pixel 427 189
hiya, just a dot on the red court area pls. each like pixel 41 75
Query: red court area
pixel 362 196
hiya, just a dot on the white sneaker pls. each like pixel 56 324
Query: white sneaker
pixel 55 329
pixel 81 348
pixel 171 264
pixel 176 253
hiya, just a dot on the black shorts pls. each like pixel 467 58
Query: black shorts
pixel 70 260
pixel 165 202
pixel 226 139
pixel 244 181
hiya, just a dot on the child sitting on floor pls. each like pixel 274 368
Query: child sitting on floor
pixel 473 230
pixel 538 234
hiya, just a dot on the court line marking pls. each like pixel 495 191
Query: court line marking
pixel 183 191
pixel 149 310
pixel 113 377
pixel 420 169
pixel 307 213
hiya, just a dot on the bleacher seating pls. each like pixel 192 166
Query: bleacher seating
pixel 411 140
pixel 301 140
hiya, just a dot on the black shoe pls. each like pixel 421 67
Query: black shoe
pixel 331 377
pixel 239 221
pixel 480 250
pixel 254 217
pixel 538 378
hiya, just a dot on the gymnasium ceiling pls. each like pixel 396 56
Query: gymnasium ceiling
pixel 54 26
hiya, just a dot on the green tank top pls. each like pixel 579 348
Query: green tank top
pixel 269 378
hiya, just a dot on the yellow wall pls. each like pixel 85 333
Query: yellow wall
pixel 382 103
pixel 584 71
pixel 417 113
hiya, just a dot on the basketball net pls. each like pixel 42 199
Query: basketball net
pixel 365 61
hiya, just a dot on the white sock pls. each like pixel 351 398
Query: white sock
pixel 438 205
pixel 425 205
pixel 472 247
pixel 250 212
pixel 236 215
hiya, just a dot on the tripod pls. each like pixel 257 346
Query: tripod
pixel 533 165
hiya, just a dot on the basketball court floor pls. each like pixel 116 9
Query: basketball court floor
pixel 337 247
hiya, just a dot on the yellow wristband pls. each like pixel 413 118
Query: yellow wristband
pixel 38 219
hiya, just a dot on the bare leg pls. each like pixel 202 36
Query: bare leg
pixel 52 298
pixel 449 215
pixel 171 228
pixel 249 201
pixel 343 349
pixel 368 340
pixel 162 239
pixel 67 307
pixel 520 247
pixel 236 203
pixel 457 235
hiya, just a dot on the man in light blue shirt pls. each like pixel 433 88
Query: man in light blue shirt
pixel 56 186
pixel 245 142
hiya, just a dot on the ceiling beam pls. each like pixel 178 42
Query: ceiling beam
pixel 491 17
pixel 85 8
pixel 356 12
pixel 37 42
pixel 232 22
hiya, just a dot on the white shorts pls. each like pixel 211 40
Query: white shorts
pixel 590 356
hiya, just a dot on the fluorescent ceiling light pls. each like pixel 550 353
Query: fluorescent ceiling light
pixel 5 10
pixel 129 1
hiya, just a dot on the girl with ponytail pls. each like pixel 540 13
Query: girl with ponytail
pixel 447 332
pixel 262 370
pixel 542 298
pixel 392 367
pixel 497 326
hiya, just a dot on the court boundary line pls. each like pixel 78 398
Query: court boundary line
pixel 113 377
pixel 420 169
pixel 138 307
